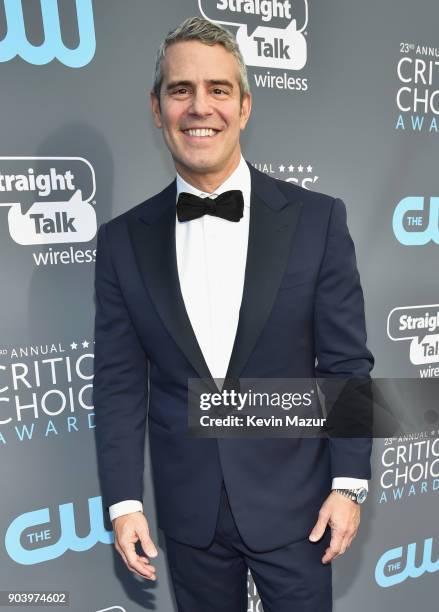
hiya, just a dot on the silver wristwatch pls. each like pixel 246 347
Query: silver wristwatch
pixel 356 495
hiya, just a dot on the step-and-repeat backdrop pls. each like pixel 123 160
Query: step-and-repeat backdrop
pixel 345 101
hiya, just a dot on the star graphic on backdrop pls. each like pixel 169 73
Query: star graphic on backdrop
pixel 282 168
pixel 85 344
pixel 291 167
pixel 73 345
pixel 300 168
pixel 309 168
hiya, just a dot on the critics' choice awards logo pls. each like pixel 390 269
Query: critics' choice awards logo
pixel 46 391
pixel 270 34
pixel 420 326
pixel 302 174
pixel 31 538
pixel 254 603
pixel 410 466
pixel 15 41
pixel 417 97
pixel 409 561
pixel 416 221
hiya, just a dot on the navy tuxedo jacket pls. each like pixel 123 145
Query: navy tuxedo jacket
pixel 302 315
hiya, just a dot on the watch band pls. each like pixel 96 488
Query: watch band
pixel 356 495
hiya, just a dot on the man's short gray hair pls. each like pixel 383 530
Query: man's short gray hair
pixel 208 33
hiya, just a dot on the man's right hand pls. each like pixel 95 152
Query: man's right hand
pixel 129 529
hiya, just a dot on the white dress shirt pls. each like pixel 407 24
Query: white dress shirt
pixel 211 258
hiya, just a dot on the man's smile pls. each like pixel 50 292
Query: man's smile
pixel 200 133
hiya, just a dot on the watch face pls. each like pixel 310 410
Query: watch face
pixel 361 495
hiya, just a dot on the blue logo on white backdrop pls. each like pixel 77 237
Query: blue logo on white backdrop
pixel 34 529
pixel 16 43
pixel 415 223
pixel 398 564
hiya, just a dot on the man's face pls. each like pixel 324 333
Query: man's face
pixel 200 89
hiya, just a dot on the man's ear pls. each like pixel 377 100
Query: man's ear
pixel 246 107
pixel 155 109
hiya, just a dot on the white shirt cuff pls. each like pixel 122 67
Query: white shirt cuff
pixel 342 482
pixel 125 507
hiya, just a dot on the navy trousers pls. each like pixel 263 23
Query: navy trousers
pixel 214 579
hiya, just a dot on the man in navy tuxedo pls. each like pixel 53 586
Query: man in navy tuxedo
pixel 258 281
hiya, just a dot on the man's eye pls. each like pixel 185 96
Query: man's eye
pixel 217 90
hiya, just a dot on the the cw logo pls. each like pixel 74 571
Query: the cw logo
pixel 414 224
pixel 34 527
pixel 16 43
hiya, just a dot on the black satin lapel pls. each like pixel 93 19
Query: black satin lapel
pixel 154 246
pixel 270 237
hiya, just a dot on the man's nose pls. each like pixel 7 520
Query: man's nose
pixel 200 104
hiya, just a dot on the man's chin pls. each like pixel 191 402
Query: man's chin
pixel 201 165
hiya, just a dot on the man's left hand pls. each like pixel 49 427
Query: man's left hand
pixel 343 516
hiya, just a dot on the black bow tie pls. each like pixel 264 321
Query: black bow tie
pixel 228 205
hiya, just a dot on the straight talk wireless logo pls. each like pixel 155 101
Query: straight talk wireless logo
pixel 271 34
pixel 50 201
pixel 420 326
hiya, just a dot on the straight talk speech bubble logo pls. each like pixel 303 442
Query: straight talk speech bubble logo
pixel 420 325
pixel 49 199
pixel 278 45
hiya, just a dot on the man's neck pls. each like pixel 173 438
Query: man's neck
pixel 208 182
